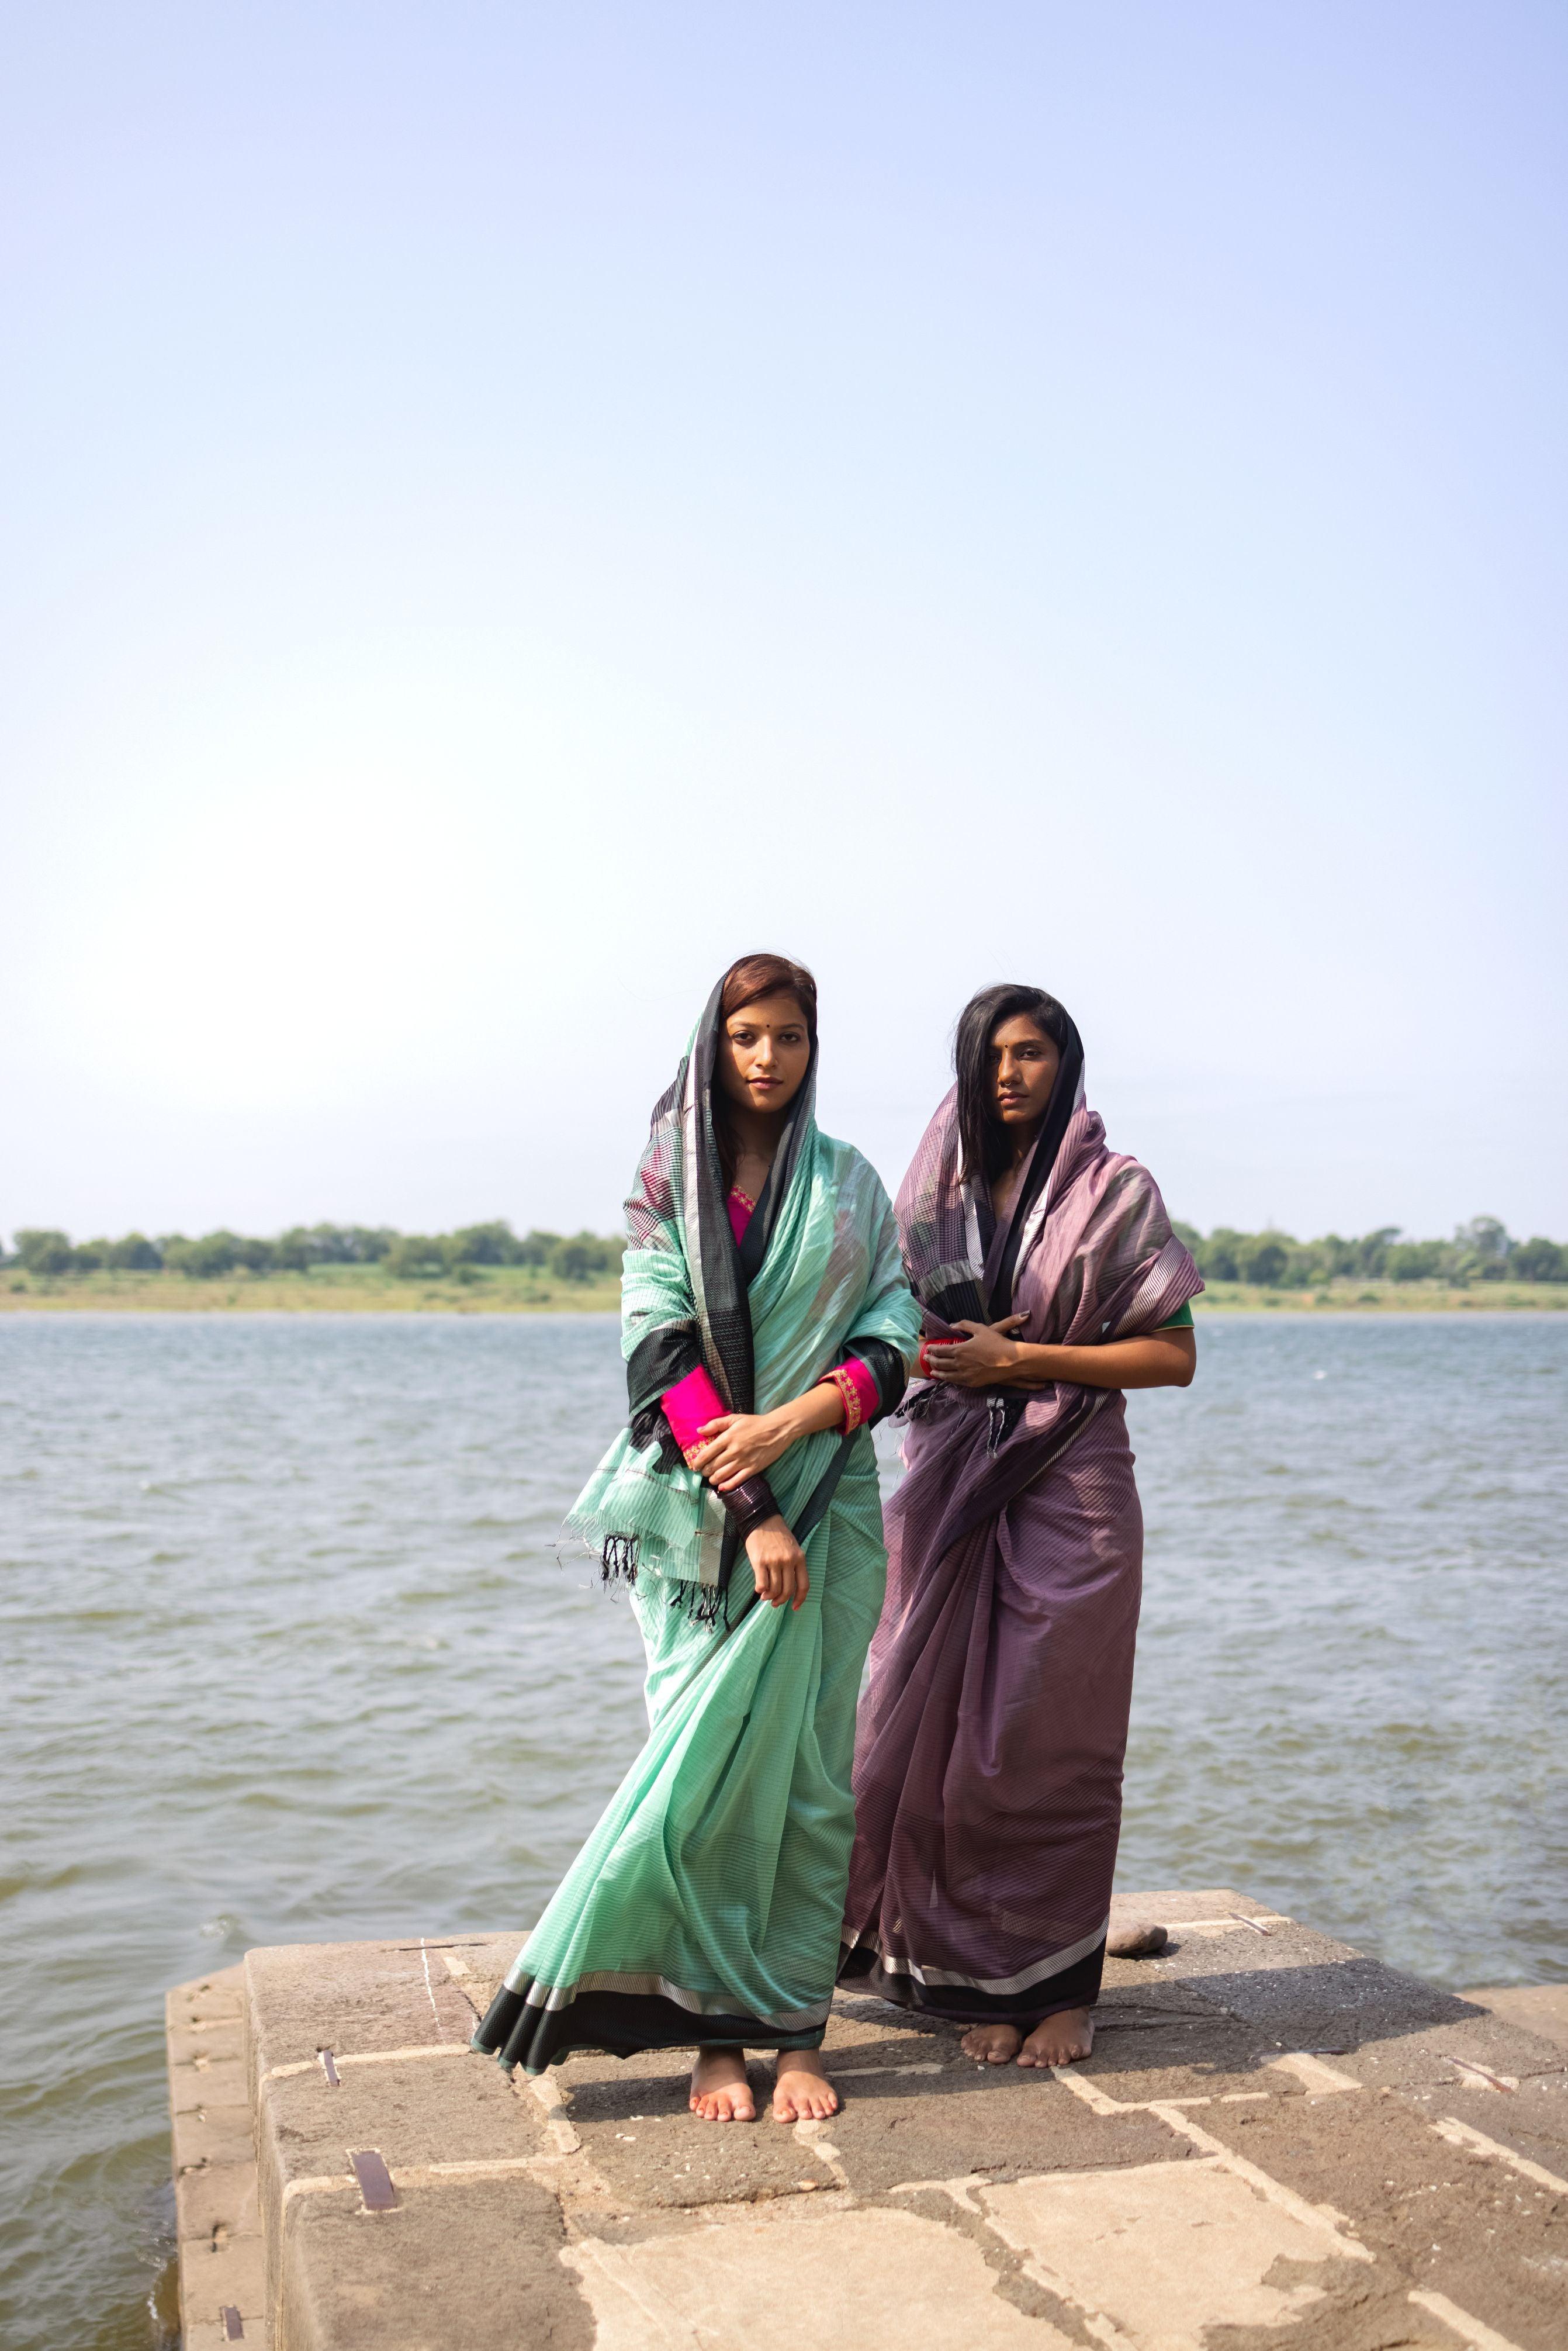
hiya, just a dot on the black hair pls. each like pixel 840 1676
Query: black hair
pixel 987 1149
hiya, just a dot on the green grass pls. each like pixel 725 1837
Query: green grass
pixel 521 1290
pixel 1388 1297
pixel 325 1290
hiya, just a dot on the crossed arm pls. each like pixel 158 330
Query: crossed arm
pixel 741 1445
pixel 992 1357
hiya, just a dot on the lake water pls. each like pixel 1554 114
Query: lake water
pixel 290 1654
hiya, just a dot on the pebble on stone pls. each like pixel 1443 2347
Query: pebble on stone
pixel 1140 1940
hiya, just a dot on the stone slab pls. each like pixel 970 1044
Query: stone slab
pixel 397 2020
pixel 1541 2009
pixel 1277 2145
pixel 217 2220
pixel 782 2278
pixel 1448 2220
pixel 215 2276
pixel 364 1997
pixel 1167 2251
pixel 476 2268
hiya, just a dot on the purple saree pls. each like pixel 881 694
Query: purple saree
pixel 988 1774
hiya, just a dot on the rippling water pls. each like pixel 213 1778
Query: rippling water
pixel 290 1654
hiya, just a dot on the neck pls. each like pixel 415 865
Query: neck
pixel 1021 1142
pixel 756 1132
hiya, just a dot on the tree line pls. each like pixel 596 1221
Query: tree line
pixel 1482 1251
pixel 408 1257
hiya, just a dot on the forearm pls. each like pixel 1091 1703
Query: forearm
pixel 1162 1360
pixel 820 1407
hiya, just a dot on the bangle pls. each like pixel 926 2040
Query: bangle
pixel 748 1504
pixel 849 1396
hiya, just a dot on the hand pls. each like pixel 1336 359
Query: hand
pixel 740 1445
pixel 983 1359
pixel 778 1563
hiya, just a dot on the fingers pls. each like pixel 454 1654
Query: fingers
pixel 781 1576
pixel 1010 1323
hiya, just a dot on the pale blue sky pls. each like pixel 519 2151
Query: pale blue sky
pixel 508 506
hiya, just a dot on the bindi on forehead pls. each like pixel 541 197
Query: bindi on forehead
pixel 769 1014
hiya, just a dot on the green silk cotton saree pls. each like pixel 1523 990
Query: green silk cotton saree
pixel 709 1903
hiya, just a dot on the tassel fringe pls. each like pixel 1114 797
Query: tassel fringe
pixel 618 1561
pixel 700 1603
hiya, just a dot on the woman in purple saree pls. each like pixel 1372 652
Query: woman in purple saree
pixel 987 1772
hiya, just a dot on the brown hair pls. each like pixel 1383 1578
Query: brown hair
pixel 747 982
pixel 755 975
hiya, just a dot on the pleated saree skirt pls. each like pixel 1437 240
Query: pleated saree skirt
pixel 709 1903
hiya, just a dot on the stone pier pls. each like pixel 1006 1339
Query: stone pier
pixel 1277 2142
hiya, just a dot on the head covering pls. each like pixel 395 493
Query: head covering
pixel 1085 1251
pixel 679 1192
pixel 818 1266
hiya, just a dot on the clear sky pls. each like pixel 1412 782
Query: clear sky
pixel 506 506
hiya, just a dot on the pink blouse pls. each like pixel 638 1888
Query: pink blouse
pixel 695 1401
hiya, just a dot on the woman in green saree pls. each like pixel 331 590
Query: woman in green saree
pixel 766 1325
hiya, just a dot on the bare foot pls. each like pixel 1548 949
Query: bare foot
pixel 802 2090
pixel 993 2044
pixel 1069 2034
pixel 1140 1939
pixel 720 2090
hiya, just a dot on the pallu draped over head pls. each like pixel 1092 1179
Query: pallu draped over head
pixel 818 1265
pixel 1085 1251
pixel 706 1905
pixel 988 1754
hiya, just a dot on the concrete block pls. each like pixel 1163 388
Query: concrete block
pixel 792 2276
pixel 1530 2121
pixel 207 1998
pixel 207 2081
pixel 205 2136
pixel 235 2273
pixel 472 2267
pixel 1541 2009
pixel 639 2134
pixel 372 2004
pixel 946 2204
pixel 1000 2128
pixel 357 1997
pixel 1440 2216
pixel 1167 2252
pixel 1467 2046
pixel 220 2197
pixel 187 2045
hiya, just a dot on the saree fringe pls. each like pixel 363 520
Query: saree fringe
pixel 618 1561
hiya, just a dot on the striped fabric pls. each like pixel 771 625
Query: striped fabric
pixel 988 1755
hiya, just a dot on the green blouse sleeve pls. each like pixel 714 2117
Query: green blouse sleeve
pixel 1181 1320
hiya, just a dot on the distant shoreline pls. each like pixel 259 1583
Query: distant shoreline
pixel 523 1289
pixel 325 1290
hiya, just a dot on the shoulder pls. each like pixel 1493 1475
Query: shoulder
pixel 849 1171
pixel 1121 1194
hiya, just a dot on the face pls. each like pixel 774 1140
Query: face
pixel 1024 1063
pixel 765 1053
